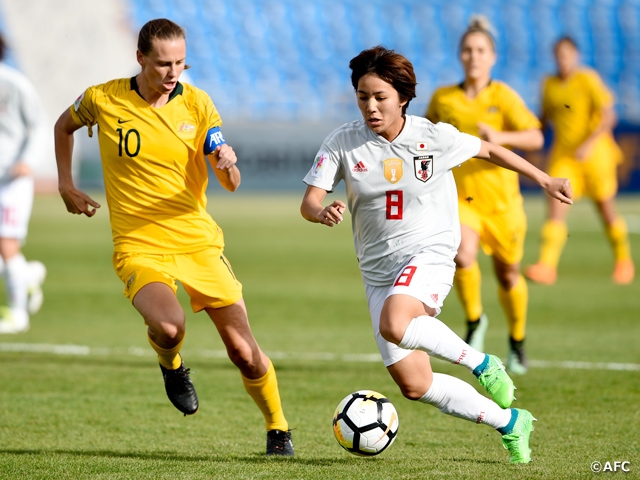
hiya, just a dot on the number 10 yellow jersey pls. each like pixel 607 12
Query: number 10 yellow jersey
pixel 154 167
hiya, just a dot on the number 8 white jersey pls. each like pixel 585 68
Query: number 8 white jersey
pixel 402 195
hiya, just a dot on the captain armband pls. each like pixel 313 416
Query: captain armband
pixel 213 140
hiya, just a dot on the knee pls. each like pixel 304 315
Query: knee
pixel 244 358
pixel 170 327
pixel 413 391
pixel 465 257
pixel 391 329
pixel 174 331
pixel 509 277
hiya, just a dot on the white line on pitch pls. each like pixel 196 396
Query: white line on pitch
pixel 633 225
pixel 308 356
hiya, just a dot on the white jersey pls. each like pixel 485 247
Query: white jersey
pixel 23 127
pixel 402 195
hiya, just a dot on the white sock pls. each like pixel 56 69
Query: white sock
pixel 16 276
pixel 454 397
pixel 434 337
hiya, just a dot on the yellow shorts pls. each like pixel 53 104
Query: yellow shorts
pixel 595 176
pixel 501 235
pixel 206 275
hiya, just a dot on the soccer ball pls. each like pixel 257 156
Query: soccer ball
pixel 365 423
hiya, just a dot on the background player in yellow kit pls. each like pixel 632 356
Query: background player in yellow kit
pixel 580 109
pixel 155 134
pixel 490 203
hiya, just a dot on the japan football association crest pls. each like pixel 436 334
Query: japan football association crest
pixel 423 167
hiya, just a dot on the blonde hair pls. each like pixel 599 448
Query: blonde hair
pixel 480 24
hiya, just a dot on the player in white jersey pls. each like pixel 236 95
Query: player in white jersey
pixel 403 201
pixel 22 134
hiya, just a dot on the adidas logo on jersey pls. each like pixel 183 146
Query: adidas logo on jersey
pixel 359 168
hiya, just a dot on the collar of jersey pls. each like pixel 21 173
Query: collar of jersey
pixel 383 141
pixel 174 93
pixel 461 85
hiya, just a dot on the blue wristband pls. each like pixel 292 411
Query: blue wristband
pixel 213 140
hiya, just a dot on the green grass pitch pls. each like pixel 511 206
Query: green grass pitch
pixel 82 395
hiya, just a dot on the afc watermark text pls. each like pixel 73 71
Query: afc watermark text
pixel 615 466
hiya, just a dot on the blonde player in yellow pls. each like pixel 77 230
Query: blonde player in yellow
pixel 580 109
pixel 489 199
pixel 155 136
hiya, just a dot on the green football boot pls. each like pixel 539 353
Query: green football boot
pixel 517 441
pixel 497 382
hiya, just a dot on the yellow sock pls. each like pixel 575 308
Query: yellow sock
pixel 468 281
pixel 553 236
pixel 514 303
pixel 168 357
pixel 264 391
pixel 619 237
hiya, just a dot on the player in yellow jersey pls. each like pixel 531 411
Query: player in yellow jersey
pixel 489 199
pixel 580 109
pixel 155 136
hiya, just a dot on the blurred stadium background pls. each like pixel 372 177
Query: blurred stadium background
pixel 278 69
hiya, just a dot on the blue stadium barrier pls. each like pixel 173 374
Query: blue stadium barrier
pixel 278 69
pixel 273 56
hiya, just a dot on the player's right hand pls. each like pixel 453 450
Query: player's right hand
pixel 560 189
pixel 332 214
pixel 78 202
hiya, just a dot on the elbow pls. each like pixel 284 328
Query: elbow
pixel 304 211
pixel 57 128
pixel 538 141
pixel 64 126
pixel 229 179
pixel 533 141
pixel 231 186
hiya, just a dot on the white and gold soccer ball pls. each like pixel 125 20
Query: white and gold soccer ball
pixel 365 423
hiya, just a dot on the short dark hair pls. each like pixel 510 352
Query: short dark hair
pixel 390 66
pixel 565 39
pixel 3 47
pixel 160 28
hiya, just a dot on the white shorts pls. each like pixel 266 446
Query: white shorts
pixel 428 278
pixel 16 201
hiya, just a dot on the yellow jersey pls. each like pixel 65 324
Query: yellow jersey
pixel 486 187
pixel 574 108
pixel 154 167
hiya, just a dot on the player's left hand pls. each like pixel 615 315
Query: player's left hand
pixel 560 189
pixel 226 157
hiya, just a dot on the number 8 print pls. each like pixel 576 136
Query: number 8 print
pixel 394 204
